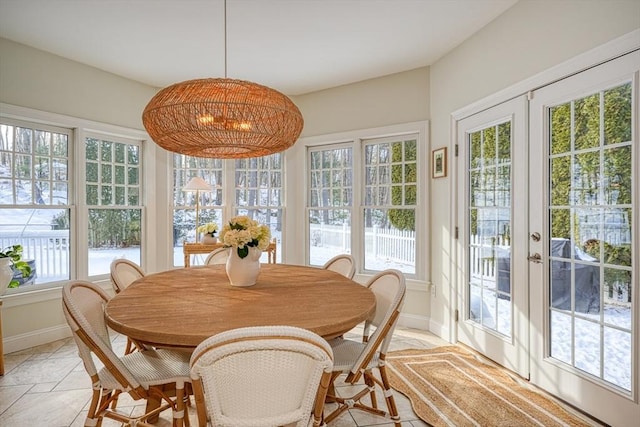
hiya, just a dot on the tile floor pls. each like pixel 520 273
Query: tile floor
pixel 47 386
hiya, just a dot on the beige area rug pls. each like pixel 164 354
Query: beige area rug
pixel 450 386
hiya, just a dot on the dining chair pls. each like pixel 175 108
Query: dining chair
pixel 343 264
pixel 359 359
pixel 124 273
pixel 261 376
pixel 217 256
pixel 153 375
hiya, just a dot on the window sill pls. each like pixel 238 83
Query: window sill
pixel 40 295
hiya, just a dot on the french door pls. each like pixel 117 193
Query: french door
pixel 549 244
pixel 583 192
pixel 494 314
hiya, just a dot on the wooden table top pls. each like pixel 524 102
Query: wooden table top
pixel 183 307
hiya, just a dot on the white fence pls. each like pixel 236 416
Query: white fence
pixel 483 256
pixel 49 248
pixel 388 244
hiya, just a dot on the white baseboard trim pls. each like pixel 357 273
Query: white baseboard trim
pixel 35 338
pixel 47 335
pixel 414 321
pixel 439 329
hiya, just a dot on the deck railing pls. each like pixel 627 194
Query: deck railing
pixel 50 249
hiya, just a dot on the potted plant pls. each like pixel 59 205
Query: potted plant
pixel 10 261
pixel 208 232
pixel 248 239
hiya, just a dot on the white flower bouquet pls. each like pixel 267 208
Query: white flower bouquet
pixel 209 228
pixel 242 232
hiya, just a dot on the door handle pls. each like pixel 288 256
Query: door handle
pixel 535 258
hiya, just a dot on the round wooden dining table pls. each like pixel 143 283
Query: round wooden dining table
pixel 182 307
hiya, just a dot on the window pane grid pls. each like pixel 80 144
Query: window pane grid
pixel 331 178
pixel 30 173
pixel 330 201
pixel 259 182
pixel 113 196
pixel 113 177
pixel 590 215
pixel 35 200
pixel 259 193
pixel 389 201
pixel 489 219
pixel 390 174
pixel 187 167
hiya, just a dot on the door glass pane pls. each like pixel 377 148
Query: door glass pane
pixel 590 250
pixel 489 219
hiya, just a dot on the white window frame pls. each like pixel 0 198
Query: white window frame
pixel 78 213
pixel 308 191
pixel 356 139
pixel 82 196
pixel 35 126
pixel 228 205
pixel 190 173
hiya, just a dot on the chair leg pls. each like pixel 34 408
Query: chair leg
pixel 92 420
pixel 179 413
pixel 388 396
pixel 369 381
pixel 130 347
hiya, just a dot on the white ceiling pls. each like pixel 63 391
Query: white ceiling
pixel 294 46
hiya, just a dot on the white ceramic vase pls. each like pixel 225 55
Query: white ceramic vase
pixel 6 274
pixel 208 239
pixel 243 271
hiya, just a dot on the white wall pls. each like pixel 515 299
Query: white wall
pixel 36 79
pixel 528 38
pixel 389 100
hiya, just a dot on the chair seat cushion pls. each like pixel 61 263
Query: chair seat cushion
pixel 151 367
pixel 346 353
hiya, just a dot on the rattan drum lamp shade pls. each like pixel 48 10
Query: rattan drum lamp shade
pixel 222 118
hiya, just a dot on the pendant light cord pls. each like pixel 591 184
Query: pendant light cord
pixel 225 39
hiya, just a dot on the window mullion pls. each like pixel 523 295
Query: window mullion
pixel 357 207
pixel 80 233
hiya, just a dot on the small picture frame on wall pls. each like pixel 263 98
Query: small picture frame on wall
pixel 439 163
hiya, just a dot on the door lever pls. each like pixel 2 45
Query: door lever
pixel 535 258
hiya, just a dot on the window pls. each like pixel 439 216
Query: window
pixel 390 198
pixel 35 198
pixel 113 199
pixel 363 198
pixel 330 202
pixel 184 212
pixel 258 193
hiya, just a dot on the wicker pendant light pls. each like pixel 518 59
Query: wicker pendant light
pixel 222 118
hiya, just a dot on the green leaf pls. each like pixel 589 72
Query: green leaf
pixel 243 251
pixel 23 267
